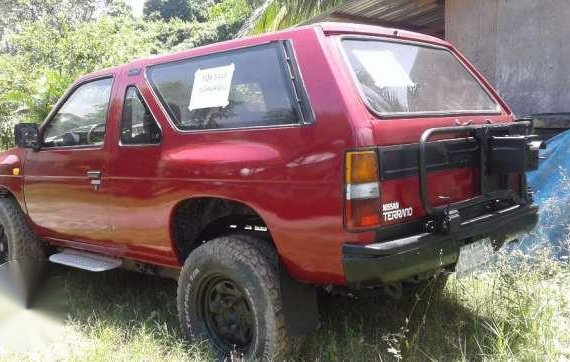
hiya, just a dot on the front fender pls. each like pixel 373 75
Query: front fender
pixel 11 174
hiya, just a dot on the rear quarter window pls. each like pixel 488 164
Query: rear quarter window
pixel 234 89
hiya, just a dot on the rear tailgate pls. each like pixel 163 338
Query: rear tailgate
pixel 453 176
pixel 434 176
pixel 445 165
pixel 426 97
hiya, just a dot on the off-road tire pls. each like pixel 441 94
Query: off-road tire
pixel 22 241
pixel 264 246
pixel 237 258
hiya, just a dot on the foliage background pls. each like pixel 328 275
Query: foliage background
pixel 46 44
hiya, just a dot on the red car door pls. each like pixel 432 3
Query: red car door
pixel 138 207
pixel 64 181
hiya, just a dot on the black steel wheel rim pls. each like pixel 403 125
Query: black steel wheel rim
pixel 3 246
pixel 226 313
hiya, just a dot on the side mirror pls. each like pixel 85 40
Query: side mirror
pixel 27 135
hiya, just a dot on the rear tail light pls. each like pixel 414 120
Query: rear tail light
pixel 362 190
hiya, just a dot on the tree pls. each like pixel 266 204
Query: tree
pixel 17 13
pixel 232 10
pixel 273 15
pixel 189 10
pixel 167 9
pixel 41 58
pixel 199 9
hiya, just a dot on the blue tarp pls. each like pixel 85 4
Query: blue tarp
pixel 551 186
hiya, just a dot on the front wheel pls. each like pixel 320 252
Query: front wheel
pixel 228 295
pixel 22 254
pixel 17 240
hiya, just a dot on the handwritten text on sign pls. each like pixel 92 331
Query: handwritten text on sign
pixel 211 87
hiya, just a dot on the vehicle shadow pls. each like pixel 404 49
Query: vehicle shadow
pixel 380 328
pixel 426 327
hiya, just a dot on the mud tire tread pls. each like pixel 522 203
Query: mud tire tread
pixel 247 254
pixel 22 241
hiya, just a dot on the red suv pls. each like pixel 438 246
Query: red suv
pixel 334 156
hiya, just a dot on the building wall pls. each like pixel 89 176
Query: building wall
pixel 521 46
pixel 471 25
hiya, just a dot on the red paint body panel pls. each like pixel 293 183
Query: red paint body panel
pixel 456 185
pixel 292 176
pixel 9 182
pixel 60 200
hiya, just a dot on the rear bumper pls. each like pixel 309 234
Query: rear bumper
pixel 400 259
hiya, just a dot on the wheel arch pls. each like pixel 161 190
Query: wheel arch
pixel 6 191
pixel 196 220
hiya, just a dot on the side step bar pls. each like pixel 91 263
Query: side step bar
pixel 86 261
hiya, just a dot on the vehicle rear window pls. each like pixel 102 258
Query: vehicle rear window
pixel 404 78
pixel 241 88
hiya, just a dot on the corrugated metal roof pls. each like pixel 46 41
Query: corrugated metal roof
pixel 425 16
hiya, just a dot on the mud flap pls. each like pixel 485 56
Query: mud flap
pixel 300 307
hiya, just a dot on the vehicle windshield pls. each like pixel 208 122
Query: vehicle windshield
pixel 404 78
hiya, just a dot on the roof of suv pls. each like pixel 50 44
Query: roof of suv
pixel 329 28
pixel 363 29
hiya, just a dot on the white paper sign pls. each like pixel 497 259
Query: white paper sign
pixel 211 87
pixel 384 68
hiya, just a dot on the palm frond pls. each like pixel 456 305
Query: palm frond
pixel 281 14
pixel 258 16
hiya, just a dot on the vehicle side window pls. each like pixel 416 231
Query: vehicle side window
pixel 82 119
pixel 138 126
pixel 240 88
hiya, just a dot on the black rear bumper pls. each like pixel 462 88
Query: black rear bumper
pixel 397 260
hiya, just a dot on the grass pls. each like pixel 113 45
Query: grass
pixel 506 313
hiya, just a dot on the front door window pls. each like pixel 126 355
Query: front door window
pixel 81 121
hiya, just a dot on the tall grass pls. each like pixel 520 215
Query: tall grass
pixel 510 312
pixel 517 310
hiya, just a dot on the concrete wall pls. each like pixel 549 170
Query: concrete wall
pixel 471 25
pixel 521 46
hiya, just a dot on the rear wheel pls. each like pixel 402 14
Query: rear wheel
pixel 228 294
